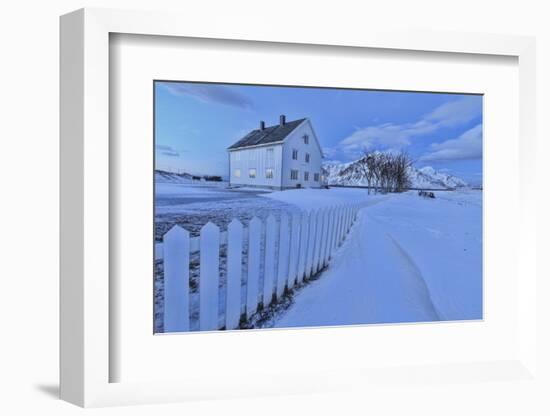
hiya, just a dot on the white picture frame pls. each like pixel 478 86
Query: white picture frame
pixel 86 305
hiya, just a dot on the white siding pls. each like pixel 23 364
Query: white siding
pixel 259 158
pixel 295 141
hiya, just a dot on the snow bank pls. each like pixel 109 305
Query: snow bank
pixel 317 198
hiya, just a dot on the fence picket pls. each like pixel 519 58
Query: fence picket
pixel 176 280
pixel 284 244
pixel 304 239
pixel 343 223
pixel 209 277
pixel 347 220
pixel 311 243
pixel 234 274
pixel 326 246
pixel 254 234
pixel 337 229
pixel 269 264
pixel 334 238
pixel 321 224
pixel 294 248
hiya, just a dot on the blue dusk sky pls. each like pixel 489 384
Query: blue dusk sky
pixel 196 122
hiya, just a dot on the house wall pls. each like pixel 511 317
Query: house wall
pixel 295 141
pixel 259 158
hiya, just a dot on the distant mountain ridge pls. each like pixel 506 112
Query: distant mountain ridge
pixel 162 176
pixel 351 174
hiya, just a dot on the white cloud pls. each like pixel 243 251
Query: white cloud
pixel 167 150
pixel 398 136
pixel 467 146
pixel 455 112
pixel 329 152
pixel 210 93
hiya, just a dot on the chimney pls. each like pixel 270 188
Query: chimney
pixel 262 125
pixel 282 120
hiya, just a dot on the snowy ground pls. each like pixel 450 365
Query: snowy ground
pixel 407 259
pixel 192 206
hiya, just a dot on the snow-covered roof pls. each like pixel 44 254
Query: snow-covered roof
pixel 272 134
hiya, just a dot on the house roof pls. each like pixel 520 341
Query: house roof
pixel 272 134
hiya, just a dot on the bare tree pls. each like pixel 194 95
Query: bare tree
pixel 388 172
pixel 366 167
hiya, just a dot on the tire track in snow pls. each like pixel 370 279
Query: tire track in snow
pixel 419 283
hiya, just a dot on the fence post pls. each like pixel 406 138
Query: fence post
pixel 254 234
pixel 209 277
pixel 294 251
pixel 176 280
pixel 234 274
pixel 304 239
pixel 311 243
pixel 269 264
pixel 283 269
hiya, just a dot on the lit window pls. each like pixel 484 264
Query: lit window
pixel 294 175
pixel 307 157
pixel 316 177
pixel 306 176
pixel 237 173
pixel 294 154
pixel 306 139
pixel 269 173
pixel 251 173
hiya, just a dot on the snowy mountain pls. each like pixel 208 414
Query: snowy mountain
pixel 428 177
pixel 351 174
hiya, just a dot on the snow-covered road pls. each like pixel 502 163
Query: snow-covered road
pixel 407 259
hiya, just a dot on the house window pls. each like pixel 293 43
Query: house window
pixel 294 154
pixel 316 177
pixel 307 157
pixel 269 151
pixel 294 174
pixel 269 173
pixel 306 139
pixel 306 176
pixel 251 173
pixel 237 173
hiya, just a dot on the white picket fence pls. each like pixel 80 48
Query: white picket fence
pixel 293 249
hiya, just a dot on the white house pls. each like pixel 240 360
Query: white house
pixel 287 155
